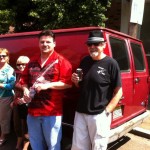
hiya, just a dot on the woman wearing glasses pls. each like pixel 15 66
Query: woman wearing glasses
pixel 7 82
pixel 19 107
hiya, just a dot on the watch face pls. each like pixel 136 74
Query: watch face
pixel 107 113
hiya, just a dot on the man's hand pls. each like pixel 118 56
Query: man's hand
pixel 20 101
pixel 41 86
pixel 26 96
pixel 75 79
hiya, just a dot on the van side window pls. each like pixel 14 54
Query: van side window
pixel 119 52
pixel 138 57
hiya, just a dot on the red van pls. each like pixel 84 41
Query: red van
pixel 130 55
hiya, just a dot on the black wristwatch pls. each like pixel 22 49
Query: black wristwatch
pixel 107 113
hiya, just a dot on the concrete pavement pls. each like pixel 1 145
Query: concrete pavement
pixel 143 129
pixel 10 143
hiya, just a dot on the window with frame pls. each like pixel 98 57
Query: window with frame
pixel 120 53
pixel 138 57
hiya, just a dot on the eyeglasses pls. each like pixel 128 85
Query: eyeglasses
pixel 21 65
pixel 95 44
pixel 3 56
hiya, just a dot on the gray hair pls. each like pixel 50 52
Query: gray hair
pixel 23 59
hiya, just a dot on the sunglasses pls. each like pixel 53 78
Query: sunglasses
pixel 95 44
pixel 3 56
pixel 21 64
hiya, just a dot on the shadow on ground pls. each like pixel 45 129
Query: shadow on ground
pixel 10 143
pixel 118 143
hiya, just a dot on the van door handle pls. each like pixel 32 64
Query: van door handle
pixel 137 80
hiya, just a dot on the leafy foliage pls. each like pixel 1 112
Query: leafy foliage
pixel 28 15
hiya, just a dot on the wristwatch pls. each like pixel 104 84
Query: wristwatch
pixel 107 113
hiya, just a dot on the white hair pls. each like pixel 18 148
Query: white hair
pixel 23 59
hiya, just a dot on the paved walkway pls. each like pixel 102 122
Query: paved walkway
pixel 143 129
pixel 11 142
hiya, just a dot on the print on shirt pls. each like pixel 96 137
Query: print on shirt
pixel 101 70
pixel 43 75
pixel 37 73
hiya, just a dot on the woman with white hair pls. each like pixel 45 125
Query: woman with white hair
pixel 19 107
pixel 21 62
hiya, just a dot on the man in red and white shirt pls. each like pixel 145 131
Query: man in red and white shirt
pixel 48 75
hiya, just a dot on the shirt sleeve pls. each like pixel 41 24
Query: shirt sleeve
pixel 65 71
pixel 11 78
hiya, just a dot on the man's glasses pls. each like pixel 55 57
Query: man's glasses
pixel 95 44
pixel 3 56
pixel 21 64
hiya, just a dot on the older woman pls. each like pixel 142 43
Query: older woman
pixel 19 108
pixel 7 82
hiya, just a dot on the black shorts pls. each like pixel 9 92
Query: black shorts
pixel 23 111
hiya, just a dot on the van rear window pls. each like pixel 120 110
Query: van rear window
pixel 138 57
pixel 120 53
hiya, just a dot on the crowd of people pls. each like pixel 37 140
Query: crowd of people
pixel 32 94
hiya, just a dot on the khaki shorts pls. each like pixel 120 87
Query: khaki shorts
pixel 91 132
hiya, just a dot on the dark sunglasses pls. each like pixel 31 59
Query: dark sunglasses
pixel 21 64
pixel 3 56
pixel 90 44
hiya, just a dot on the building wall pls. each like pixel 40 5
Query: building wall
pixel 119 15
pixel 145 30
pixel 125 16
pixel 119 19
pixel 114 15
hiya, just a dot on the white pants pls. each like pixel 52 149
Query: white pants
pixel 91 132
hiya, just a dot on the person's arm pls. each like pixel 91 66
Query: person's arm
pixel 25 89
pixel 18 86
pixel 26 92
pixel 9 85
pixel 24 83
pixel 58 85
pixel 10 82
pixel 51 85
pixel 115 99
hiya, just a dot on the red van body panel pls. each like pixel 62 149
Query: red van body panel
pixel 135 98
pixel 71 44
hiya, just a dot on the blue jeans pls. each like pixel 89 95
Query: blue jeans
pixel 45 132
